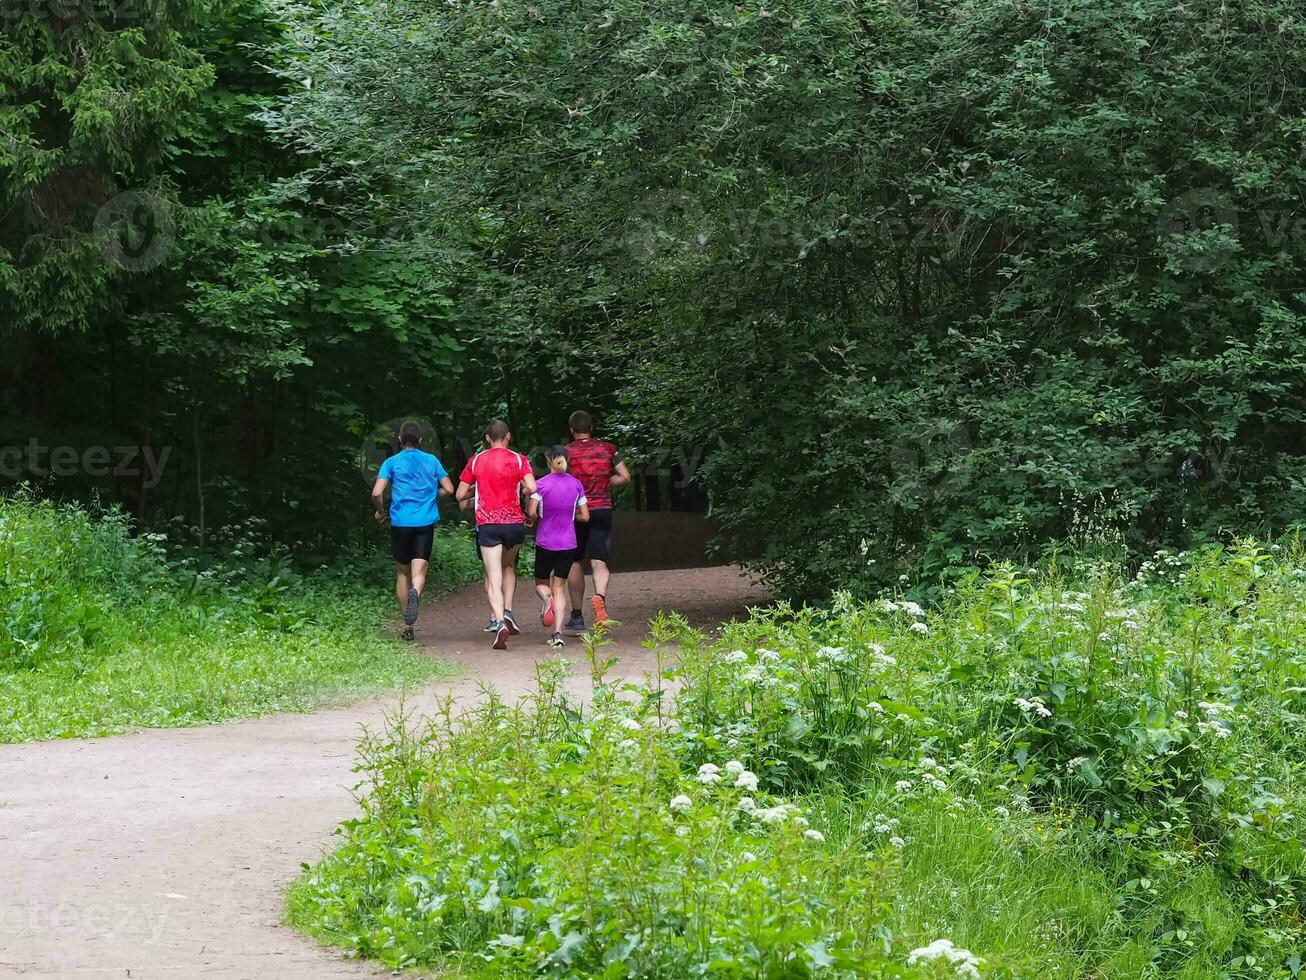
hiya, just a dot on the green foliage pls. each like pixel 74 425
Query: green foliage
pixel 103 632
pixel 527 840
pixel 174 278
pixel 943 282
pixel 1069 773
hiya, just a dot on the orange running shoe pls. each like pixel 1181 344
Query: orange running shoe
pixel 546 614
pixel 600 610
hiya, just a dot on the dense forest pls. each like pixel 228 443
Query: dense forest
pixel 911 284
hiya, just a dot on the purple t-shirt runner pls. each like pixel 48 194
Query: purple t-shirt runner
pixel 559 496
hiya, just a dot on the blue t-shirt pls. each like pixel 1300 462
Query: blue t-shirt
pixel 414 483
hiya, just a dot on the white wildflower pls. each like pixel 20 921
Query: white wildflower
pixel 882 828
pixel 630 725
pixel 747 804
pixel 903 785
pixel 912 608
pixel 735 657
pixel 747 780
pixel 897 842
pixel 815 835
pixel 964 963
pixel 734 767
pixel 1001 812
pixel 747 857
pixel 708 774
pixel 1035 705
pixel 919 627
pixel 490 901
pixel 681 803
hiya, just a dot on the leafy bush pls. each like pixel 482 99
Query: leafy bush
pixel 1156 723
pixel 529 839
pixel 103 631
pixel 1068 774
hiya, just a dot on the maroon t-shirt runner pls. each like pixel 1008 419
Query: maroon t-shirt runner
pixel 592 461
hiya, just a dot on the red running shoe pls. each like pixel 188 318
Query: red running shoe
pixel 600 610
pixel 546 614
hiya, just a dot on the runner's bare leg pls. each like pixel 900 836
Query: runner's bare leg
pixel 601 576
pixel 402 586
pixel 508 581
pixel 492 558
pixel 576 586
pixel 418 576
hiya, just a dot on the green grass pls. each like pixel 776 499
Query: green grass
pixel 1082 772
pixel 104 633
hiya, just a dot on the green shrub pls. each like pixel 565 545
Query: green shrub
pixel 103 631
pixel 530 839
pixel 1156 723
pixel 1070 773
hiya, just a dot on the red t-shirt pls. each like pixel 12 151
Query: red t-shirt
pixel 496 474
pixel 592 461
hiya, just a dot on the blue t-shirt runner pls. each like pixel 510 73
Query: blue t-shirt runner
pixel 414 477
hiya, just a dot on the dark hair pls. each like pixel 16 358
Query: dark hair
pixel 497 430
pixel 555 453
pixel 410 434
pixel 581 423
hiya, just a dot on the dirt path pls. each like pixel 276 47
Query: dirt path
pixel 164 853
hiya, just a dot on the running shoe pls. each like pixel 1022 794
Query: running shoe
pixel 600 610
pixel 410 610
pixel 492 626
pixel 546 614
pixel 576 622
pixel 557 642
pixel 406 634
pixel 511 623
pixel 501 637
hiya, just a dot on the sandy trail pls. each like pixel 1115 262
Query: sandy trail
pixel 165 853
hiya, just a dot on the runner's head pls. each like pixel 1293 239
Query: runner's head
pixel 557 457
pixel 581 423
pixel 497 433
pixel 410 435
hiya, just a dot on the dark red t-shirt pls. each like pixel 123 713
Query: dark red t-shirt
pixel 496 474
pixel 592 461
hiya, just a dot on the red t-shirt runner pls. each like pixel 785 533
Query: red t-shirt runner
pixel 592 461
pixel 496 474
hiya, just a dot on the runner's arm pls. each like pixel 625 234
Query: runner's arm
pixel 620 475
pixel 528 481
pixel 464 494
pixel 378 498
pixel 446 487
pixel 583 510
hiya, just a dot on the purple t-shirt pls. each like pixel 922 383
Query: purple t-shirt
pixel 559 496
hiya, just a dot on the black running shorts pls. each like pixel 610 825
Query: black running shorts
pixel 508 535
pixel 553 563
pixel 408 543
pixel 594 537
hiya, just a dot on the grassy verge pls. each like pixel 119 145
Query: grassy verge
pixel 103 632
pixel 1054 774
